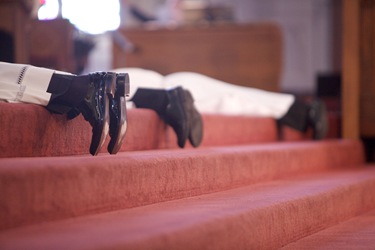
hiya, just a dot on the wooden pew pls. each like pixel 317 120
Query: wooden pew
pixel 248 55
pixel 14 19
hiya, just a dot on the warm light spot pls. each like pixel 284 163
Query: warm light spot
pixel 90 16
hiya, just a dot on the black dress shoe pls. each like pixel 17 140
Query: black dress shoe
pixel 168 104
pixel 95 109
pixel 318 119
pixel 176 108
pixel 195 120
pixel 117 111
pixel 177 116
pixel 184 118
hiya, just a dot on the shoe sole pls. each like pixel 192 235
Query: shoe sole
pixel 105 128
pixel 96 146
pixel 196 122
pixel 118 131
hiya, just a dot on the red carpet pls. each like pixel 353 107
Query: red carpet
pixel 263 216
pixel 242 189
pixel 38 189
pixel 355 233
pixel 30 130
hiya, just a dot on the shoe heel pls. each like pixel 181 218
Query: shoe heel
pixel 122 85
pixel 110 83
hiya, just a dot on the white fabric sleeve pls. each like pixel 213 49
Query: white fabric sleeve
pixel 214 96
pixel 24 83
pixel 142 78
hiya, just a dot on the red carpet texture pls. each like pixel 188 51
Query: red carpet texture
pixel 263 216
pixel 38 189
pixel 355 233
pixel 30 130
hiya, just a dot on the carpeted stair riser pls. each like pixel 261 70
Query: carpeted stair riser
pixel 48 188
pixel 30 130
pixel 262 216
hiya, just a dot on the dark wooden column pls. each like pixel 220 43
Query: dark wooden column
pixel 367 68
pixel 358 69
pixel 14 19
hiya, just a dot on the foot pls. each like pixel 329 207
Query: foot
pixel 117 111
pixel 176 107
pixel 175 115
pixel 95 109
pixel 184 117
pixel 318 119
pixel 195 121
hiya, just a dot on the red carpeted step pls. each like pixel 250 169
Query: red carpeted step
pixel 262 216
pixel 30 130
pixel 355 233
pixel 47 188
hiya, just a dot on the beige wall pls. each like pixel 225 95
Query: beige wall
pixel 312 36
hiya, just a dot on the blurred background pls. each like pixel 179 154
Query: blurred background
pixel 310 32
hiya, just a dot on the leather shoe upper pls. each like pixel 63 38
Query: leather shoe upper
pixel 318 119
pixel 95 109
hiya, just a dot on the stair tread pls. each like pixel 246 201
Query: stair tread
pixel 267 215
pixel 45 188
pixel 355 233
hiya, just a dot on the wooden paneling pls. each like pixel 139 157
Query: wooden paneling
pixel 351 69
pixel 40 43
pixel 51 44
pixel 367 63
pixel 359 68
pixel 14 19
pixel 249 55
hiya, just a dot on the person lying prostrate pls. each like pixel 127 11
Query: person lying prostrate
pixel 150 90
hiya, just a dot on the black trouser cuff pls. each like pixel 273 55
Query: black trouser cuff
pixel 68 91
